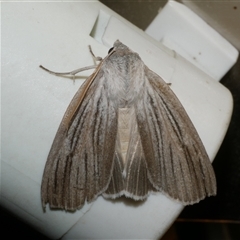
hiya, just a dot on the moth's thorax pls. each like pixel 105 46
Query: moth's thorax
pixel 124 77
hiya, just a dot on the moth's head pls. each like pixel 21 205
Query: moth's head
pixel 121 51
pixel 119 45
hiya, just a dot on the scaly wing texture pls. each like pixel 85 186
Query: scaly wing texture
pixel 131 179
pixel 80 162
pixel 116 185
pixel 137 184
pixel 176 159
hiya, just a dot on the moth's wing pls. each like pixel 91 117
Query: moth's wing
pixel 116 185
pixel 130 179
pixel 80 162
pixel 137 184
pixel 176 159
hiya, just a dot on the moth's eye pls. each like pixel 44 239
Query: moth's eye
pixel 110 50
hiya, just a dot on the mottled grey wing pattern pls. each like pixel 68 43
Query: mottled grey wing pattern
pixel 80 162
pixel 176 159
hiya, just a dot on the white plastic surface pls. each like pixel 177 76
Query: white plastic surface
pixel 180 29
pixel 56 35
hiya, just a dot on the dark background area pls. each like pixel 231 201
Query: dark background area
pixel 215 218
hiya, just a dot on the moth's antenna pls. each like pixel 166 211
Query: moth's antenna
pixel 74 72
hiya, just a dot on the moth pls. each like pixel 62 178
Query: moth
pixel 125 133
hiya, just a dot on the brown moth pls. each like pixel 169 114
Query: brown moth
pixel 125 133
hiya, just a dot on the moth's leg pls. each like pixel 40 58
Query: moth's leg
pixel 94 57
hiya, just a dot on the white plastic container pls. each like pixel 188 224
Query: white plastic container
pixel 180 29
